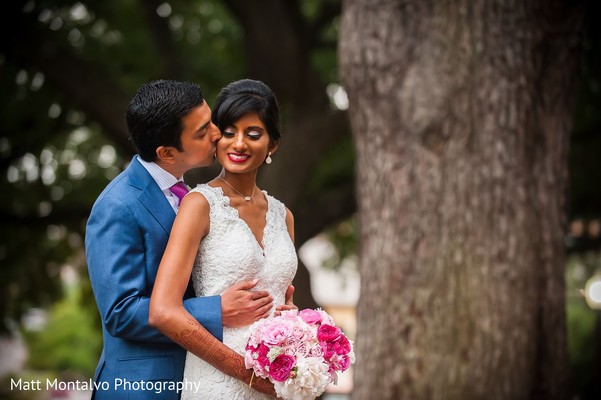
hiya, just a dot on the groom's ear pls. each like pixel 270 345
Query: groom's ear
pixel 166 154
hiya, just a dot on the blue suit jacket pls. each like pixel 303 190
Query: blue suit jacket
pixel 126 235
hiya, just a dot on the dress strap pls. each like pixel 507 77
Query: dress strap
pixel 276 220
pixel 206 191
pixel 276 207
pixel 218 202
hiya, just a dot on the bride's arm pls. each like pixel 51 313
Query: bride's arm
pixel 167 312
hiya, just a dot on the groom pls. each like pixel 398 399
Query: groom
pixel 127 231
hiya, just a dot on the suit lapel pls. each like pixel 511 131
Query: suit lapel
pixel 151 197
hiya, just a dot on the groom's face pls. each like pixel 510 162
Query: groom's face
pixel 198 139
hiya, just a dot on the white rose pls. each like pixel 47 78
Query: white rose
pixel 311 380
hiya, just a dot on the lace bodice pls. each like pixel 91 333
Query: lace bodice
pixel 230 254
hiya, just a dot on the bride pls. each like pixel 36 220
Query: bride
pixel 225 232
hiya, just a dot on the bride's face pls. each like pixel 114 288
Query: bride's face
pixel 244 145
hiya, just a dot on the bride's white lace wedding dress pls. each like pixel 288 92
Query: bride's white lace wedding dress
pixel 229 254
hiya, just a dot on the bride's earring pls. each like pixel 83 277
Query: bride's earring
pixel 268 159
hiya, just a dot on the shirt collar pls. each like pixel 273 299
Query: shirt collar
pixel 163 178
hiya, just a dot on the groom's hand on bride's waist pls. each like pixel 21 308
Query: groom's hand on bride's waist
pixel 240 306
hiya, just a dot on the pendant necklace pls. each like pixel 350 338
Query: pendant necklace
pixel 246 198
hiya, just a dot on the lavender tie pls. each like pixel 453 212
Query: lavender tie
pixel 179 190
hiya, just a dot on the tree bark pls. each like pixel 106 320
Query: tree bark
pixel 461 113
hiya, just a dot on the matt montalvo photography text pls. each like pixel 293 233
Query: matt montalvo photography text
pixel 118 384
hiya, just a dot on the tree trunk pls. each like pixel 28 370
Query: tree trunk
pixel 460 112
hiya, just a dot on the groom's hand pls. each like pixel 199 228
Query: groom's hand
pixel 241 307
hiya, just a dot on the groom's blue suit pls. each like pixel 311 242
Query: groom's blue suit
pixel 126 236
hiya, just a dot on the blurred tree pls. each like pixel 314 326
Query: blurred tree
pixel 461 113
pixel 67 71
pixel 583 337
pixel 69 341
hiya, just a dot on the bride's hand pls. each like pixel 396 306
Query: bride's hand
pixel 263 385
pixel 289 302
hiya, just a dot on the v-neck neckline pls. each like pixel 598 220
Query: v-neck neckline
pixel 259 243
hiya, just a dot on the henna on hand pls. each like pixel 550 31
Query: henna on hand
pixel 201 343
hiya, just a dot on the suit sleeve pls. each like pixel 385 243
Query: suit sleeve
pixel 117 259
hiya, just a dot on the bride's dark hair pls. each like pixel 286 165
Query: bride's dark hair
pixel 245 96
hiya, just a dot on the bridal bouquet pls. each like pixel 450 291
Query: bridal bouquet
pixel 301 352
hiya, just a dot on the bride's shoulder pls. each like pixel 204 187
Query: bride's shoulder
pixel 278 207
pixel 214 199
pixel 206 191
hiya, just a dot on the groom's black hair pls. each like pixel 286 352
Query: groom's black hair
pixel 244 96
pixel 155 112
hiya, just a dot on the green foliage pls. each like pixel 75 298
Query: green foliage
pixel 70 341
pixel 583 323
pixel 53 158
pixel 336 168
pixel 52 188
pixel 344 238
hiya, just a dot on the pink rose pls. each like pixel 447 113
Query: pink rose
pixel 316 351
pixel 276 333
pixel 249 361
pixel 280 367
pixel 300 333
pixel 255 336
pixel 328 333
pixel 289 314
pixel 342 345
pixel 310 316
pixel 326 319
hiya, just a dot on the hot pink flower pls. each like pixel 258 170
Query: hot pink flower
pixel 340 363
pixel 328 349
pixel 328 333
pixel 345 362
pixel 262 359
pixel 280 367
pixel 342 345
